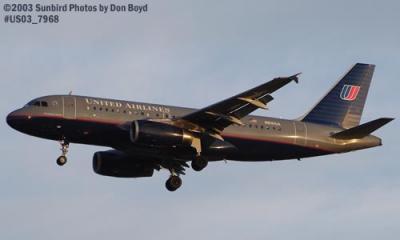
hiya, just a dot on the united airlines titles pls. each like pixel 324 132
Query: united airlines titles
pixel 127 105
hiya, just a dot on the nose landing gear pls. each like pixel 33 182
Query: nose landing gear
pixel 61 160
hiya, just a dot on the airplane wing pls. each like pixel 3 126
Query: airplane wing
pixel 214 118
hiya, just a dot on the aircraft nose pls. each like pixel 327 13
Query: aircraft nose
pixel 13 119
pixel 10 119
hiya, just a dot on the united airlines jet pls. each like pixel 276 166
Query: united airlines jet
pixel 145 137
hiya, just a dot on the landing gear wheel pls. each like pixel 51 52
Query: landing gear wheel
pixel 173 183
pixel 199 164
pixel 61 160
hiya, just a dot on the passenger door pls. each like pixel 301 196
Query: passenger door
pixel 69 107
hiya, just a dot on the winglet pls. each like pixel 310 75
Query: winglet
pixel 295 77
pixel 362 130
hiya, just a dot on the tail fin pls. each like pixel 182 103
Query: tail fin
pixel 344 103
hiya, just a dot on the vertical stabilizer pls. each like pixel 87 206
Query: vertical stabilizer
pixel 344 103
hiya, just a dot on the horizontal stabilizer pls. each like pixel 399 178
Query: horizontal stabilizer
pixel 362 130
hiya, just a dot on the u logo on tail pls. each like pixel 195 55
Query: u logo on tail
pixel 349 92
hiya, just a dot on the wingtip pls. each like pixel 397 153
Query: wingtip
pixel 389 119
pixel 295 77
pixel 365 64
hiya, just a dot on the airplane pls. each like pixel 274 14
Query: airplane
pixel 145 137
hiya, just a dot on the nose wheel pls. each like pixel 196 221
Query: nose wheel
pixel 61 160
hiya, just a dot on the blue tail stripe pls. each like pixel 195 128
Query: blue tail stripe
pixel 346 90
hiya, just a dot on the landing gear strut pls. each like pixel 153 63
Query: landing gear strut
pixel 198 163
pixel 61 160
pixel 174 182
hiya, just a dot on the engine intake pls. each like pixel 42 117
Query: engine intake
pixel 117 164
pixel 159 134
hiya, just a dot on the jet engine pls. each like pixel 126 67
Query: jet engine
pixel 117 164
pixel 159 134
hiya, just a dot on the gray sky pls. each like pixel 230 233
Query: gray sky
pixel 194 54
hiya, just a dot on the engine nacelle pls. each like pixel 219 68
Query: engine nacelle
pixel 117 164
pixel 159 134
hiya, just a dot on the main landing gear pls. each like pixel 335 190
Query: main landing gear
pixel 199 163
pixel 174 182
pixel 61 160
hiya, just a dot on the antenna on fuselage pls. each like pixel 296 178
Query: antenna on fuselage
pixel 70 93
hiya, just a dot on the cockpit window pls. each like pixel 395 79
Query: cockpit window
pixel 38 103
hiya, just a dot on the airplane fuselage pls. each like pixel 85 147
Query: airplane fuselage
pixel 105 122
